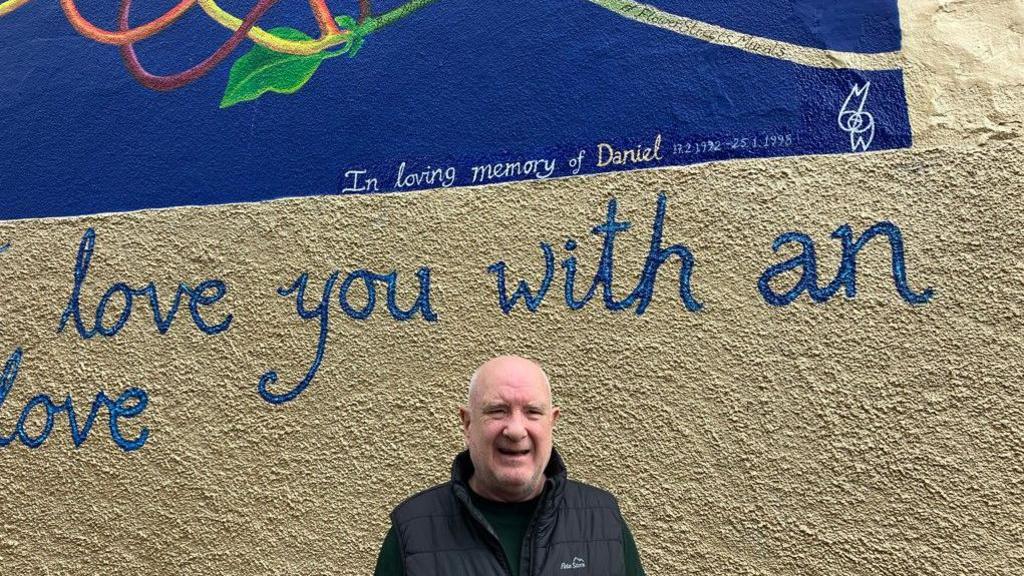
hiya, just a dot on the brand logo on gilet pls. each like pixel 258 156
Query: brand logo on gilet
pixel 576 563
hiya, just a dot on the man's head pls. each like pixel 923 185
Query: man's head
pixel 507 425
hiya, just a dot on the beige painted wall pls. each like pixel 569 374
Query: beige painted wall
pixel 862 436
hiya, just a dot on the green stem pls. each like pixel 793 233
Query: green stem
pixel 394 15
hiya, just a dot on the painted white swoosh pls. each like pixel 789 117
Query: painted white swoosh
pixel 807 56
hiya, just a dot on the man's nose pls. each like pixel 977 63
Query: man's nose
pixel 514 428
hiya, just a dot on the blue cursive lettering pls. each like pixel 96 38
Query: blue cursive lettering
pixel 131 403
pixel 641 295
pixel 206 293
pixel 846 277
pixel 370 282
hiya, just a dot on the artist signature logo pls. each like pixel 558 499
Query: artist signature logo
pixel 860 125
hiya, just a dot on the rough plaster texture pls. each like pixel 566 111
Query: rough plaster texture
pixel 859 436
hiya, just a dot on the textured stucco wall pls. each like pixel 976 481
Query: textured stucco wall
pixel 862 436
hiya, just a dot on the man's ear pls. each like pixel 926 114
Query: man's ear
pixel 555 412
pixel 464 417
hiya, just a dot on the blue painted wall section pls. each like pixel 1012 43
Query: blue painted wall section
pixel 460 93
pixel 867 26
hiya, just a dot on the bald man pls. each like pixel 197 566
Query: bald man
pixel 509 508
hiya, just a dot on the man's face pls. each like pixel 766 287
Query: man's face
pixel 508 426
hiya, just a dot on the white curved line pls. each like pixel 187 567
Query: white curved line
pixel 804 55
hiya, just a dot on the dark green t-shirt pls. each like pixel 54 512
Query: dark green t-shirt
pixel 510 521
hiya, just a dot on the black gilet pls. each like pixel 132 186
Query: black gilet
pixel 575 531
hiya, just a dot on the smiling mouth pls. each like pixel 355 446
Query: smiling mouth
pixel 512 453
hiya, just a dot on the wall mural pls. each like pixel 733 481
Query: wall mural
pixel 134 106
pixel 791 364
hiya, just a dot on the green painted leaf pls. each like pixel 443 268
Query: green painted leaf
pixel 346 22
pixel 358 31
pixel 263 70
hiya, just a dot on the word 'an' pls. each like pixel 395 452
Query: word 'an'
pixel 846 277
